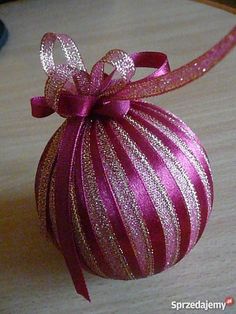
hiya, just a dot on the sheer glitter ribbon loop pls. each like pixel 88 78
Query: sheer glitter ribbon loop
pixel 57 82
pixel 70 50
pixel 124 67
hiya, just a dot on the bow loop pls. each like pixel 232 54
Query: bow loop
pixel 59 80
pixel 123 66
pixel 82 82
pixel 69 48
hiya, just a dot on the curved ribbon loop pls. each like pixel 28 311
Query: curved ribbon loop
pixel 56 83
pixel 124 66
pixel 151 59
pixel 71 52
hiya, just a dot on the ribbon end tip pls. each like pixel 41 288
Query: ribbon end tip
pixel 84 294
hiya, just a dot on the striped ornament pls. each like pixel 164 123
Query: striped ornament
pixel 140 192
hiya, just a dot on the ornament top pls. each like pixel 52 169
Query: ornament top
pixel 110 94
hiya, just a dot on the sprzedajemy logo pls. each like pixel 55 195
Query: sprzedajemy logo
pixel 202 305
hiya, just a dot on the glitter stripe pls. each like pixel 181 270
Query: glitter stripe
pixel 181 177
pixel 185 131
pixel 157 194
pixel 52 209
pixel 112 207
pixel 169 116
pixel 88 238
pixel 98 216
pixel 129 209
pixel 188 158
pixel 43 177
pixel 185 149
pixel 162 195
pixel 81 241
pixel 175 123
pixel 149 224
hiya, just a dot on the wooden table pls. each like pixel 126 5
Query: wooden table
pixel 33 277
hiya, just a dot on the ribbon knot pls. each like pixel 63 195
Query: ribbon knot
pixel 80 106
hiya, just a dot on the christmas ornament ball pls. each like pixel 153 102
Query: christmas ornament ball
pixel 140 191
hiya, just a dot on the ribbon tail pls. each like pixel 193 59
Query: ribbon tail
pixel 154 86
pixel 63 203
pixel 40 108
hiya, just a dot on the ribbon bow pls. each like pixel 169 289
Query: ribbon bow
pixel 72 92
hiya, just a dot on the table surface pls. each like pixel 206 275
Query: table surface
pixel 33 275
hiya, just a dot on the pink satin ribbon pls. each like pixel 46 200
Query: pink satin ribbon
pixel 75 94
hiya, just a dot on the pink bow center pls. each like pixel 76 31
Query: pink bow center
pixel 80 104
